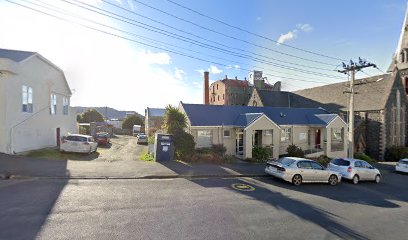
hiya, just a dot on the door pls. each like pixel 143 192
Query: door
pixel 360 169
pixel 369 171
pixel 58 137
pixel 306 171
pixel 240 144
pixel 320 174
pixel 317 138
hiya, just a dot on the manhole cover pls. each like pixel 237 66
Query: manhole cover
pixel 242 187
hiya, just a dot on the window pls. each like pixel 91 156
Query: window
pixel 204 138
pixel 304 165
pixel 27 95
pixel 227 133
pixel 53 107
pixel 217 86
pixel 223 96
pixel 269 132
pixel 337 139
pixel 406 86
pixel 65 105
pixel 340 162
pixel 286 135
pixel 218 97
pixel 358 164
pixel 316 166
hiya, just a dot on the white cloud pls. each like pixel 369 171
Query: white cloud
pixel 104 70
pixel 304 27
pixel 201 71
pixel 286 37
pixel 214 70
pixel 237 67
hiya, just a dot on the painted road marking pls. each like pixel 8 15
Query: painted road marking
pixel 242 187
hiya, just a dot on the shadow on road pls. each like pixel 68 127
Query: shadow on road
pixel 26 204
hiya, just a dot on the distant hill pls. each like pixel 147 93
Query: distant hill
pixel 109 113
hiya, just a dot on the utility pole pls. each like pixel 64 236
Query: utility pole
pixel 352 68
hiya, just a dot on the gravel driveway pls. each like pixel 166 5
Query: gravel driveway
pixel 122 148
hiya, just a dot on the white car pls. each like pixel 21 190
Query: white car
pixel 300 170
pixel 402 165
pixel 78 143
pixel 355 169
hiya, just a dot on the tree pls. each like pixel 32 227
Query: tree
pixel 131 120
pixel 174 122
pixel 90 115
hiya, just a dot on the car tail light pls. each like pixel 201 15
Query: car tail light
pixel 281 169
pixel 349 169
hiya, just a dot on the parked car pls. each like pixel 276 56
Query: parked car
pixel 402 165
pixel 301 170
pixel 142 139
pixel 355 169
pixel 78 143
pixel 102 138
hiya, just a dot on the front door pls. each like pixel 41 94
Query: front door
pixel 58 137
pixel 317 138
pixel 240 144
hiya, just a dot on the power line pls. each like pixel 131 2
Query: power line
pixel 192 41
pixel 150 39
pixel 225 35
pixel 200 37
pixel 145 44
pixel 249 32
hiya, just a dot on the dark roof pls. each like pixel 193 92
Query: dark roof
pixel 156 112
pixel 15 55
pixel 286 99
pixel 372 94
pixel 218 115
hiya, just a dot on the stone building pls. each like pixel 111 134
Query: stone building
pixel 234 91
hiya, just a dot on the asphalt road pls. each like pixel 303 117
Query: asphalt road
pixel 208 208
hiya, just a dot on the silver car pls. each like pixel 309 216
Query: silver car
pixel 402 165
pixel 355 169
pixel 301 170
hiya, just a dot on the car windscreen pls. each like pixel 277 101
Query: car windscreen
pixel 142 136
pixel 286 161
pixel 403 161
pixel 340 162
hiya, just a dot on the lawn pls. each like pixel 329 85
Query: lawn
pixel 50 153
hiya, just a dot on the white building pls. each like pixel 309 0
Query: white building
pixel 34 102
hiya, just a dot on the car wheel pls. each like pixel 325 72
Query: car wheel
pixel 297 180
pixel 377 178
pixel 333 180
pixel 355 179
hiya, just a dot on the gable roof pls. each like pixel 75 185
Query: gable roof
pixel 242 116
pixel 372 93
pixel 15 55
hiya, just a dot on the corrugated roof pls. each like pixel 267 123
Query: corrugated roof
pixel 235 83
pixel 286 99
pixel 156 112
pixel 371 94
pixel 15 55
pixel 218 115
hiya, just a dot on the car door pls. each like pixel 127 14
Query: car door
pixel 319 172
pixel 305 170
pixel 369 170
pixel 360 170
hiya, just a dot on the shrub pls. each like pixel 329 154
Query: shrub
pixel 295 151
pixel 323 160
pixel 260 153
pixel 147 157
pixel 150 139
pixel 183 144
pixel 394 153
pixel 218 149
pixel 364 157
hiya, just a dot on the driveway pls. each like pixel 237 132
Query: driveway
pixel 122 148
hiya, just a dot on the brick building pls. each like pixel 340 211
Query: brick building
pixel 234 91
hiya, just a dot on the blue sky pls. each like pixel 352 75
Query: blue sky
pixel 109 71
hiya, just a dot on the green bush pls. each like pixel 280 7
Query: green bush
pixel 260 153
pixel 218 149
pixel 363 156
pixel 295 151
pixel 394 154
pixel 184 145
pixel 147 157
pixel 150 139
pixel 322 159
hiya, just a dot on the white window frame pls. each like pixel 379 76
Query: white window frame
pixel 337 141
pixel 65 105
pixel 269 132
pixel 286 134
pixel 53 104
pixel 204 138
pixel 27 99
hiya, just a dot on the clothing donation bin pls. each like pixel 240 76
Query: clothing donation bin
pixel 163 147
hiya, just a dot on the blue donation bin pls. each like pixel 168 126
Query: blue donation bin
pixel 163 147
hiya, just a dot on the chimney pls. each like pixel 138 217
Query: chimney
pixel 206 88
